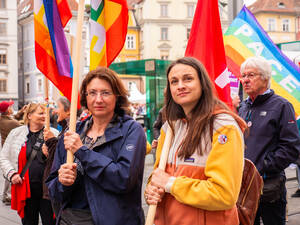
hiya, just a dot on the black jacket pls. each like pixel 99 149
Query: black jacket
pixel 273 140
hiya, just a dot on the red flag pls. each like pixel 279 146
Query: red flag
pixel 206 44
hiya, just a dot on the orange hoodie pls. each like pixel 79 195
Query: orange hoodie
pixel 203 189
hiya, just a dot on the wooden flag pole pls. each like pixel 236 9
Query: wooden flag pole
pixel 162 165
pixel 46 92
pixel 75 83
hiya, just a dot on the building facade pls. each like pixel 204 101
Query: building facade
pixel 279 18
pixel 165 26
pixel 8 51
pixel 131 48
pixel 131 51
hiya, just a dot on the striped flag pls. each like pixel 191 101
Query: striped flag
pixel 245 38
pixel 109 19
pixel 51 49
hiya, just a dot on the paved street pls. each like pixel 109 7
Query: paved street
pixel 7 215
pixel 10 217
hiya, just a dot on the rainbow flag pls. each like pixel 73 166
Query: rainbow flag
pixel 109 20
pixel 51 49
pixel 245 38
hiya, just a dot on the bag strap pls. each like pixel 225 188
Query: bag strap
pixel 28 163
pixel 38 144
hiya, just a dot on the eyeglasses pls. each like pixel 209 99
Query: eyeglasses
pixel 94 94
pixel 250 76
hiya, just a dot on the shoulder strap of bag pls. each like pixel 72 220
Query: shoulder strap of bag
pixel 38 144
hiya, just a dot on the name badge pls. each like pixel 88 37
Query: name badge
pixel 263 113
pixel 191 160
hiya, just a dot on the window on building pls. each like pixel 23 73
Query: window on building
pixel 164 10
pixel 130 42
pixel 164 33
pixel 281 5
pixel 3 58
pixel 190 10
pixel 27 88
pixel 3 86
pixel 188 31
pixel 2 4
pixel 2 29
pixel 164 55
pixel 39 85
pixel 271 24
pixel 286 25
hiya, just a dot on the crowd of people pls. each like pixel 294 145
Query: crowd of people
pixel 103 184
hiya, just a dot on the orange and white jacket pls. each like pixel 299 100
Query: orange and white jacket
pixel 203 189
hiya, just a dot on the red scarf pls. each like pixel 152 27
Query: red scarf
pixel 21 192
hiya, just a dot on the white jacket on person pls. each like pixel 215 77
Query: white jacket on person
pixel 11 149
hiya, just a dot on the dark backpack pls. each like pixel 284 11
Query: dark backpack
pixel 251 189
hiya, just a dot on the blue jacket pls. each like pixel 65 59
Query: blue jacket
pixel 113 175
pixel 273 140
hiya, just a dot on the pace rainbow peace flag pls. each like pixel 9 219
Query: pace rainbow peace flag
pixel 109 20
pixel 51 49
pixel 245 38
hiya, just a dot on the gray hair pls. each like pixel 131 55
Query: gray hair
pixel 65 102
pixel 261 64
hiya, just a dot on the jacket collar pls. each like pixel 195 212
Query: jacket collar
pixel 260 98
pixel 113 130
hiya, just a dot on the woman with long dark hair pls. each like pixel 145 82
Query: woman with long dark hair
pixel 204 169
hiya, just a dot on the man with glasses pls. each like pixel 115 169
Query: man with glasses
pixel 272 141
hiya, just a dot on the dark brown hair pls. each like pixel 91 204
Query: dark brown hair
pixel 103 73
pixel 202 115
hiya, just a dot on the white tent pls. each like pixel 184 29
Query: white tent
pixel 135 96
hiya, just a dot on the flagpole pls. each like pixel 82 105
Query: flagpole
pixel 162 165
pixel 75 82
pixel 46 93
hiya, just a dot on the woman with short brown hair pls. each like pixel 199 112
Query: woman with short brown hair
pixel 103 73
pixel 103 185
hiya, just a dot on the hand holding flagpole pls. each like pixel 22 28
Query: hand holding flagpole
pixel 162 165
pixel 75 84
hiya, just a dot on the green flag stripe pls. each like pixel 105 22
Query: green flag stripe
pixel 95 14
